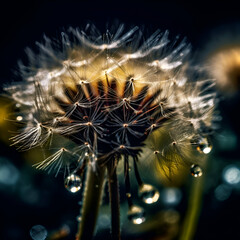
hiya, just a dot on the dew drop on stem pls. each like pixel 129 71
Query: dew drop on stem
pixel 73 183
pixel 196 171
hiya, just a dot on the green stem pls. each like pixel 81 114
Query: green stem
pixel 91 202
pixel 114 200
pixel 193 212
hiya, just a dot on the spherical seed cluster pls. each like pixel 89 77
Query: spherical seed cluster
pixel 99 97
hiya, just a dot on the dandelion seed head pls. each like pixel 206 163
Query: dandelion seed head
pixel 110 96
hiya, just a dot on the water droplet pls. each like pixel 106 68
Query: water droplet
pixel 171 196
pixel 19 118
pixel 73 183
pixel 9 174
pixel 148 193
pixel 231 174
pixel 136 214
pixel 128 195
pixel 38 232
pixel 196 171
pixel 79 218
pixel 203 145
pixel 222 192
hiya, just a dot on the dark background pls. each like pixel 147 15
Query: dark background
pixel 23 23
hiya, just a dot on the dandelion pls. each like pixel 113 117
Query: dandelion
pixel 225 67
pixel 92 100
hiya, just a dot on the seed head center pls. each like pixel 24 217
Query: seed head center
pixel 89 123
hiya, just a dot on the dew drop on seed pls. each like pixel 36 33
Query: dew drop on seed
pixel 148 193
pixel 196 171
pixel 203 145
pixel 73 183
pixel 38 232
pixel 19 118
pixel 136 214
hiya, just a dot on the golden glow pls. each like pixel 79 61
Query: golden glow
pixel 5 124
pixel 3 115
pixel 168 159
pixel 225 68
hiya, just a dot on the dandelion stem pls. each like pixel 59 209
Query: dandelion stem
pixel 91 202
pixel 137 175
pixel 114 200
pixel 127 182
pixel 193 212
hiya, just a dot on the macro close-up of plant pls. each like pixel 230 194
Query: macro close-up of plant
pixel 119 120
pixel 92 100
